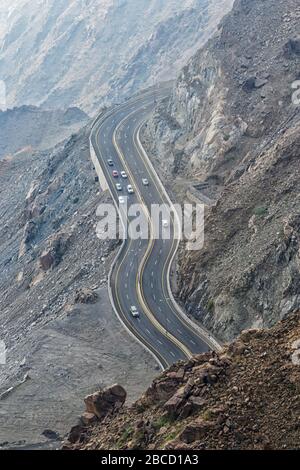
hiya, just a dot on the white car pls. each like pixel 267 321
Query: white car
pixel 165 223
pixel 145 182
pixel 121 200
pixel 124 174
pixel 119 187
pixel 134 311
pixel 130 189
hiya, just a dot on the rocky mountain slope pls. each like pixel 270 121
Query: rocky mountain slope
pixel 35 128
pixel 231 129
pixel 62 338
pixel 82 52
pixel 246 397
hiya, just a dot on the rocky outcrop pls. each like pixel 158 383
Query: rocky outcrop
pixel 43 43
pixel 105 401
pixel 99 405
pixel 85 296
pixel 245 397
pixel 55 250
pixel 232 127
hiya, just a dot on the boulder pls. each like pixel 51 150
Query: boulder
pixel 292 47
pixel 195 431
pixel 106 401
pixel 88 418
pixel 249 84
pixel 197 403
pixel 46 261
pixel 85 296
pixel 75 433
pixel 174 404
pixel 56 248
pixel 52 435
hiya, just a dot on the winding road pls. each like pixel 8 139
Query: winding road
pixel 141 272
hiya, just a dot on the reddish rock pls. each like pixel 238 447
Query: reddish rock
pixel 197 403
pixel 88 418
pixel 195 431
pixel 177 375
pixel 105 401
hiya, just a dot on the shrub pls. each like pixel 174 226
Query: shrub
pixel 260 211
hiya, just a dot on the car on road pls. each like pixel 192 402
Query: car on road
pixel 115 174
pixel 145 182
pixel 110 162
pixel 122 200
pixel 134 311
pixel 119 187
pixel 165 223
pixel 124 174
pixel 130 189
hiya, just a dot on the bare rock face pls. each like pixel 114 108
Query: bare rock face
pixel 231 124
pixel 242 398
pixel 105 401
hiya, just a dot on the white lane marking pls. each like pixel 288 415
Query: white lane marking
pixel 168 321
pixel 156 262
pixel 125 285
pixel 159 342
pixel 152 274
pixel 148 332
pixel 127 274
pixel 193 342
pixel 127 296
pixel 172 353
pixel 179 331
pixel 154 296
pixel 151 285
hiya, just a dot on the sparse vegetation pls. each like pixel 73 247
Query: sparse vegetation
pixel 162 421
pixel 126 433
pixel 260 211
pixel 210 305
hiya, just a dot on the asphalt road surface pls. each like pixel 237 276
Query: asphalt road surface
pixel 140 275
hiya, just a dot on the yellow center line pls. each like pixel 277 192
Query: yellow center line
pixel 166 295
pixel 151 347
pixel 139 285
